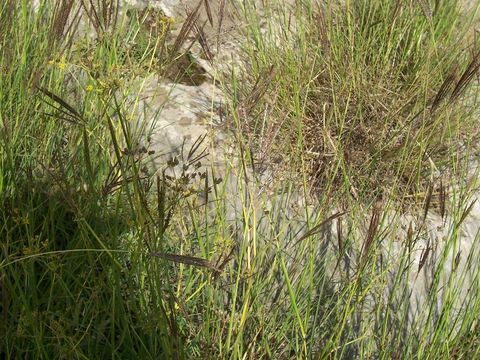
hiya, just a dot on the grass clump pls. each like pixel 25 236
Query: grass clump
pixel 371 97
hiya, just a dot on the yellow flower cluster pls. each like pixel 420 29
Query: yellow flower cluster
pixel 60 63
pixel 100 87
pixel 167 19
pixel 166 22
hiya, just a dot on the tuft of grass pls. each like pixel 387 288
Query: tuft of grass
pixel 371 98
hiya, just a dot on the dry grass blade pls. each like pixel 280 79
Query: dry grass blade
pixel 202 39
pixel 209 11
pixel 187 260
pixel 185 30
pixel 466 77
pixel 456 262
pixel 70 110
pixel 60 19
pixel 428 201
pixel 442 199
pixel 103 15
pixel 372 231
pixel 466 212
pixel 66 118
pixel 193 155
pixel 259 89
pixel 93 16
pixel 340 236
pixel 110 11
pixel 161 202
pixel 319 227
pixel 410 233
pixel 72 27
pixel 424 257
pixel 444 89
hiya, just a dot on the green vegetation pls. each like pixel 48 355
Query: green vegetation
pixel 364 92
pixel 369 109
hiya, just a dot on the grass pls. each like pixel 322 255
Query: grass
pixel 369 109
pixel 363 92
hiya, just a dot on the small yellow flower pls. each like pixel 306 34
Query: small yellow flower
pixel 89 88
pixel 61 64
